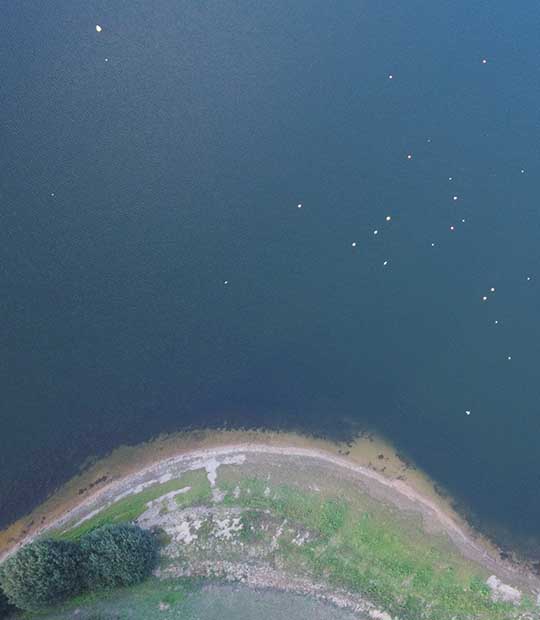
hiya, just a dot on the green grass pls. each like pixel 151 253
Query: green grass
pixel 325 515
pixel 131 507
pixel 136 602
pixel 200 492
pixel 356 543
pixel 251 527
pixel 401 572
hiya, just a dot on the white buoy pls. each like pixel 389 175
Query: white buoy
pixel 98 28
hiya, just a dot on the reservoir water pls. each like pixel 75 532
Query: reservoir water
pixel 287 215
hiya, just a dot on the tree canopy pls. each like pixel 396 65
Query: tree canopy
pixel 5 607
pixel 46 572
pixel 117 555
pixel 41 573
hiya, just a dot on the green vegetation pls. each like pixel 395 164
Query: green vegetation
pixel 251 531
pixel 130 508
pixel 199 493
pixel 117 555
pixel 326 515
pixel 47 572
pixel 137 602
pixel 42 573
pixel 5 607
pixel 399 570
pixel 336 535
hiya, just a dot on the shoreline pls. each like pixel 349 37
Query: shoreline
pixel 468 541
pixel 455 532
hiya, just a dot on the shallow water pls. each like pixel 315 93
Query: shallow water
pixel 135 187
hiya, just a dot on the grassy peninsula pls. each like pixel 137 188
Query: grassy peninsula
pixel 299 522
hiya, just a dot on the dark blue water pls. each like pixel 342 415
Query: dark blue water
pixel 144 166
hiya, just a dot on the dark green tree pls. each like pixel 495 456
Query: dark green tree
pixel 5 607
pixel 117 555
pixel 41 573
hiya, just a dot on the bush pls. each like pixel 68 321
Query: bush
pixel 117 555
pixel 41 573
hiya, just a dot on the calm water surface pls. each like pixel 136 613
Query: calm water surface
pixel 157 273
